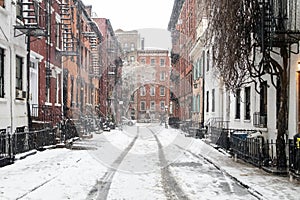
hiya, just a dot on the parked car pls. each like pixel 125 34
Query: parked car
pixel 127 121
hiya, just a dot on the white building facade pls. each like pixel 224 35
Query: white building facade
pixel 13 71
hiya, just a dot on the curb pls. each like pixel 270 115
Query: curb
pixel 254 192
pixel 24 155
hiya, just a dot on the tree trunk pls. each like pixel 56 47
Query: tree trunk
pixel 282 119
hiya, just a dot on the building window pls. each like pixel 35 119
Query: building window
pixel 18 10
pixel 152 91
pixel 72 91
pixel 143 91
pixel 247 102
pixel 1 73
pixel 238 104
pixel 152 62
pixel 207 101
pixel 57 92
pixel 213 57
pixel 207 61
pixel 162 76
pixel 263 99
pixel 48 92
pixel 143 61
pixel 162 91
pixel 213 100
pixel 194 104
pixel 198 103
pixel 195 70
pixel 143 105
pixel 152 105
pixel 19 72
pixel 2 3
pixel 162 62
pixel 57 35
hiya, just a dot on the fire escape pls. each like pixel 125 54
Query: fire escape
pixel 67 29
pixel 276 27
pixel 30 23
pixel 95 59
pixel 68 44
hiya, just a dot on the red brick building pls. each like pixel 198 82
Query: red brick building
pixel 64 73
pixel 153 89
pixel 182 27
pixel 111 65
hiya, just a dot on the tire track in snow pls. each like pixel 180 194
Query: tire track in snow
pixel 102 186
pixel 171 188
pixel 50 179
pixel 226 175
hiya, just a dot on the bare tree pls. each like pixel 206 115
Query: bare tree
pixel 245 35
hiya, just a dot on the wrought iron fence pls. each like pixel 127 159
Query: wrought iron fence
pixel 248 149
pixel 26 141
pixel 294 157
pixel 5 154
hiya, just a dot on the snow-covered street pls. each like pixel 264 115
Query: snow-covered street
pixel 146 161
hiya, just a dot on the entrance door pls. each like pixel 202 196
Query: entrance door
pixel 33 88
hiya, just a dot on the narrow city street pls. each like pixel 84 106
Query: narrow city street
pixel 144 161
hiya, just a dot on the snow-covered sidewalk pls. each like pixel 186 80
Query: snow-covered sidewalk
pixel 265 185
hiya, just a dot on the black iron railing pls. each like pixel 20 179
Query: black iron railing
pixel 26 141
pixel 294 157
pixel 248 149
pixel 5 153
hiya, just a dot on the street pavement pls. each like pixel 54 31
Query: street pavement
pixel 146 161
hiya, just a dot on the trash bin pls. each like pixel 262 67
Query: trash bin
pixel 297 153
pixel 201 132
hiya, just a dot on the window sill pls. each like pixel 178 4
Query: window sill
pixel 57 104
pixel 247 121
pixel 20 101
pixel 48 104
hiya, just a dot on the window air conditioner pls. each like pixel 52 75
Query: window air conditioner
pixel 20 94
